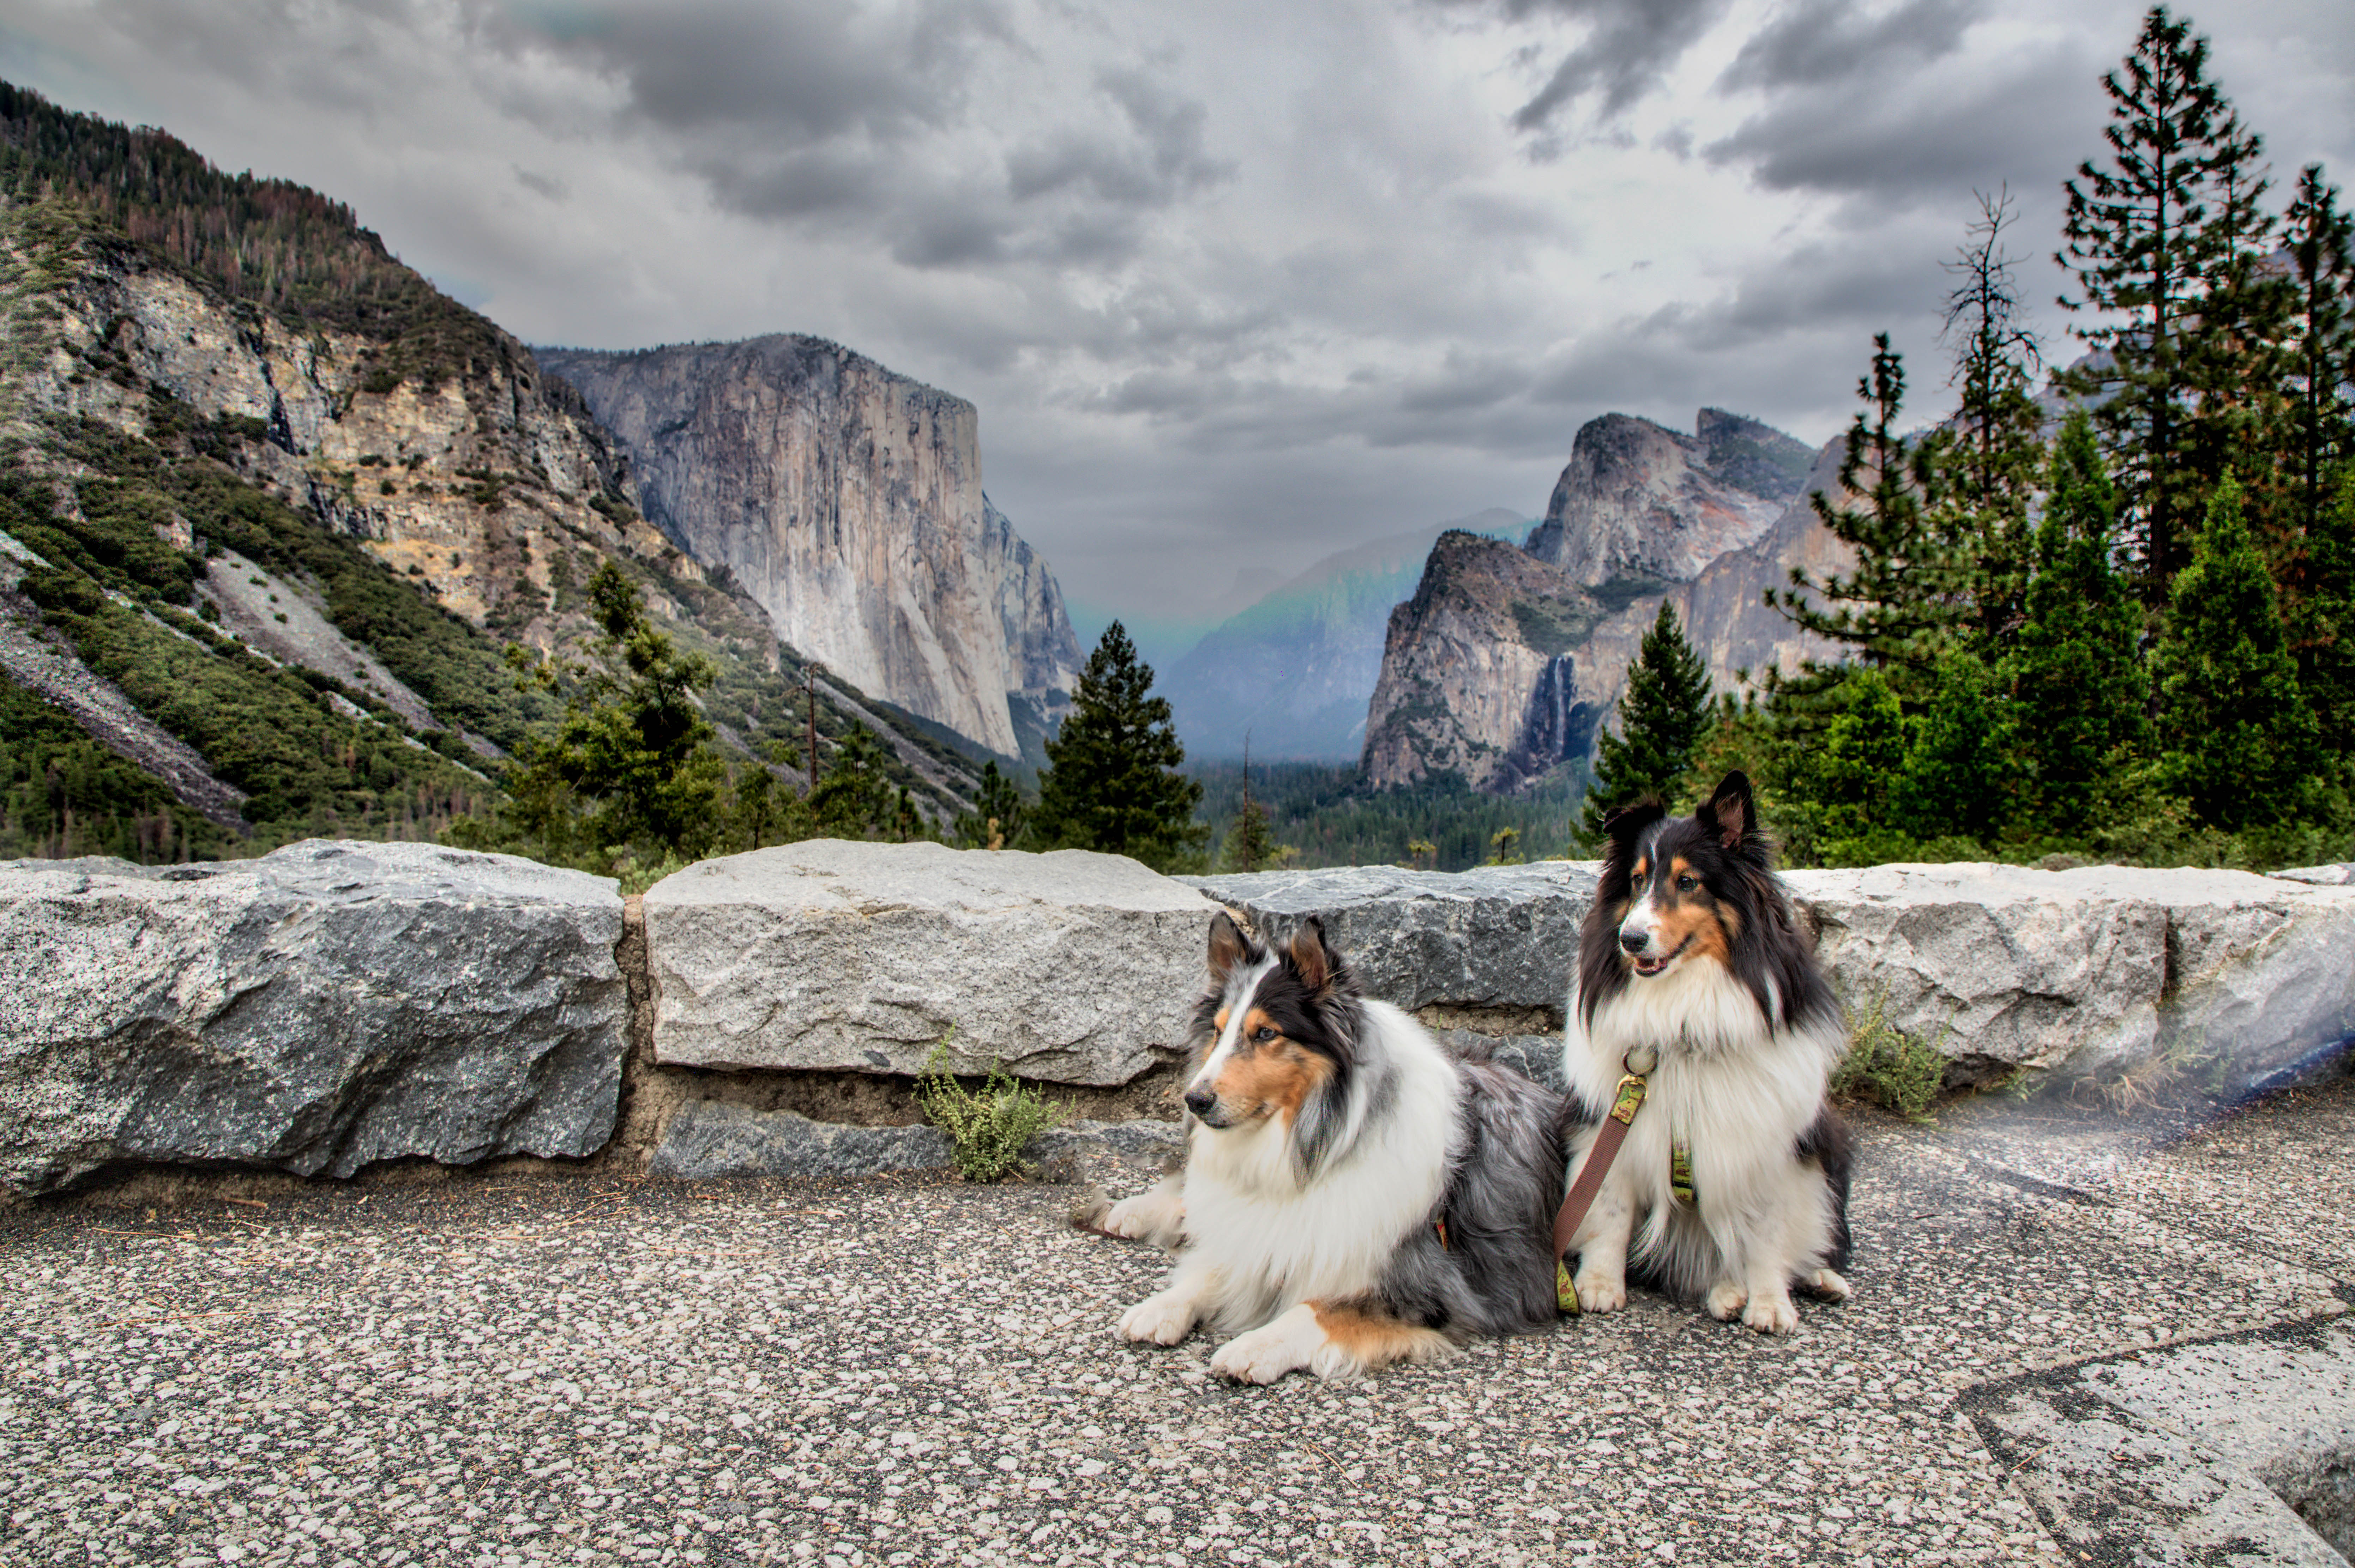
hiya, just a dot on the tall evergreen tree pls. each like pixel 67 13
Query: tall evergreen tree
pixel 856 797
pixel 1954 781
pixel 2239 741
pixel 2147 236
pixel 2321 242
pixel 1909 594
pixel 2323 623
pixel 1996 448
pixel 2075 670
pixel 1111 782
pixel 1250 840
pixel 1842 783
pixel 1663 714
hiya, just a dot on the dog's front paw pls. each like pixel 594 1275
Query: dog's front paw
pixel 1599 1292
pixel 1138 1217
pixel 1265 1354
pixel 1826 1283
pixel 1771 1315
pixel 1157 1320
pixel 1725 1299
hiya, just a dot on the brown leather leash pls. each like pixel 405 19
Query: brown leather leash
pixel 1625 1104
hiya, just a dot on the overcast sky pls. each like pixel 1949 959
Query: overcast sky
pixel 1233 285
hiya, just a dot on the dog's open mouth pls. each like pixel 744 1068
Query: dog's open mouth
pixel 1654 966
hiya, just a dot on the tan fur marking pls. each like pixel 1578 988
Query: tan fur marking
pixel 1220 1017
pixel 1272 1078
pixel 1637 872
pixel 1679 867
pixel 1376 1338
pixel 1697 921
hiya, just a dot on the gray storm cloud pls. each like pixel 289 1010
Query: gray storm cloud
pixel 1232 283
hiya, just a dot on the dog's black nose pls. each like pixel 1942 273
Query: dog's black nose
pixel 1199 1100
pixel 1635 941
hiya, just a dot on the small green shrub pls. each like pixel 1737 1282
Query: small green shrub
pixel 1889 1067
pixel 986 1130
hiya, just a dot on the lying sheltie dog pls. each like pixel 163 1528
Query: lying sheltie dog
pixel 1691 950
pixel 1352 1194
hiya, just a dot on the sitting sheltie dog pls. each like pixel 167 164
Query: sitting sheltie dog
pixel 1691 950
pixel 1353 1194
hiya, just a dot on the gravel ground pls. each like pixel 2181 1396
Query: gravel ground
pixel 513 1369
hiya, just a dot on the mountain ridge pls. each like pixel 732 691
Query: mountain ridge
pixel 228 483
pixel 845 499
pixel 1508 659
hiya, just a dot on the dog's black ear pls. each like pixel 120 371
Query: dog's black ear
pixel 1311 958
pixel 1230 949
pixel 1731 815
pixel 1626 824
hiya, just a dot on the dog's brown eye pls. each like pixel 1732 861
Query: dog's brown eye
pixel 1686 884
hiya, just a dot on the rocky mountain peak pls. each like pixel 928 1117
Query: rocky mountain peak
pixel 1640 506
pixel 1507 661
pixel 845 500
pixel 1755 456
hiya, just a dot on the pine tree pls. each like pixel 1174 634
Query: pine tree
pixel 1663 714
pixel 1250 841
pixel 999 814
pixel 1909 594
pixel 2147 239
pixel 1111 782
pixel 1996 450
pixel 2239 741
pixel 856 798
pixel 2237 362
pixel 1955 782
pixel 2322 339
pixel 1844 781
pixel 2075 672
pixel 2324 621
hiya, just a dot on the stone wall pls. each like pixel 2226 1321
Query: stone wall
pixel 335 1005
pixel 2002 968
pixel 322 1008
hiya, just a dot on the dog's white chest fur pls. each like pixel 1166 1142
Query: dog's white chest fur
pixel 1278 1242
pixel 1738 1093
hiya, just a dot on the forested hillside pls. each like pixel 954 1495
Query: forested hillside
pixel 283 531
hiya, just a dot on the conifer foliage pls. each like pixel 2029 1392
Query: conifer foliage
pixel 1906 596
pixel 2240 742
pixel 632 760
pixel 1663 714
pixel 2075 667
pixel 2167 221
pixel 999 813
pixel 1111 782
pixel 1250 841
pixel 2321 249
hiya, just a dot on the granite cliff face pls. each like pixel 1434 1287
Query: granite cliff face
pixel 130 383
pixel 1640 503
pixel 1508 660
pixel 1466 659
pixel 847 501
pixel 484 488
pixel 1036 626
